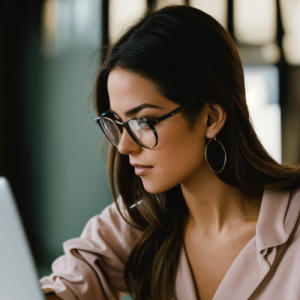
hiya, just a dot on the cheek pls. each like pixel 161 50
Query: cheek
pixel 175 159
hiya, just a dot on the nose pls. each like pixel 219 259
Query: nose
pixel 127 145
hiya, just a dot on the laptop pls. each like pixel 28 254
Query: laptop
pixel 18 276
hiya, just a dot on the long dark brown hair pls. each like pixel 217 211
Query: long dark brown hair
pixel 189 57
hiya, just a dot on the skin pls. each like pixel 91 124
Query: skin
pixel 127 90
pixel 221 219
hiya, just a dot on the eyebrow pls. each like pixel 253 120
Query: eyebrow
pixel 137 109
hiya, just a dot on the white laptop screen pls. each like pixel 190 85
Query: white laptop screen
pixel 18 277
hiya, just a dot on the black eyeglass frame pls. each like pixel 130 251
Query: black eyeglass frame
pixel 150 122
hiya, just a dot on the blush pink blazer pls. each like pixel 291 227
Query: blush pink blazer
pixel 267 268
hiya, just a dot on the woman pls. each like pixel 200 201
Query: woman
pixel 204 212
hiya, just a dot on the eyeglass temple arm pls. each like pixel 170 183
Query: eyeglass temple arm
pixel 173 112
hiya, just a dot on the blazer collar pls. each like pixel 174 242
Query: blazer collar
pixel 277 218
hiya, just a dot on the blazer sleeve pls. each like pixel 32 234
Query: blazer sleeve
pixel 93 264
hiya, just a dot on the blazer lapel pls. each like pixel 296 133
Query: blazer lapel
pixel 245 274
pixel 185 288
pixel 255 260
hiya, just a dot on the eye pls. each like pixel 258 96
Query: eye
pixel 143 124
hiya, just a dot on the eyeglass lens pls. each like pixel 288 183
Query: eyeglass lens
pixel 111 130
pixel 140 129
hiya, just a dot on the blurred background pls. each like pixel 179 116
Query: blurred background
pixel 50 52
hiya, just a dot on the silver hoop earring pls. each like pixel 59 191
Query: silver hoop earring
pixel 215 139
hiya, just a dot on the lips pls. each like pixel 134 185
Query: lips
pixel 140 169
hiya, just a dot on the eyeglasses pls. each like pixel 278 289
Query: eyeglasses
pixel 141 130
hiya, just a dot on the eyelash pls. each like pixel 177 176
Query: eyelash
pixel 149 118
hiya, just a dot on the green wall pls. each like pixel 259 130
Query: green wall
pixel 69 181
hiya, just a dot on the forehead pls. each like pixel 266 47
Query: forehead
pixel 127 90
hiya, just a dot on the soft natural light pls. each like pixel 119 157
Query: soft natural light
pixel 291 22
pixel 49 28
pixel 215 8
pixel 162 3
pixel 255 21
pixel 263 103
pixel 67 23
pixel 121 13
pixel 270 53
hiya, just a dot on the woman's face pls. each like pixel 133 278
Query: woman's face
pixel 179 154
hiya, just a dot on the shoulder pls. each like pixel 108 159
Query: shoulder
pixel 291 216
pixel 278 217
pixel 293 210
pixel 93 264
pixel 112 224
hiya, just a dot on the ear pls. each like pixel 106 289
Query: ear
pixel 216 118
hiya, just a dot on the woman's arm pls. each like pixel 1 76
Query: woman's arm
pixel 93 264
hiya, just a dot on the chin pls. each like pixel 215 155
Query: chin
pixel 156 186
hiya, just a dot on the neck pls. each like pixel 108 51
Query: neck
pixel 215 206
